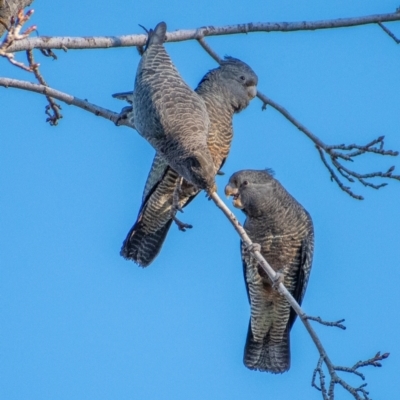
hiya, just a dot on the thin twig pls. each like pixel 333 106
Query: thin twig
pixel 354 150
pixel 374 361
pixel 66 98
pixel 55 115
pixel 46 42
pixel 209 50
pixel 14 35
pixel 335 178
pixel 390 33
pixel 266 100
pixel 375 147
pixel 337 324
pixel 320 372
pixel 361 149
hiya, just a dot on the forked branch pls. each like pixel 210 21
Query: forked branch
pixel 359 392
pixel 332 156
pixel 327 390
pixel 336 153
pixel 66 98
pixel 342 153
pixel 13 35
pixel 337 324
pixel 52 109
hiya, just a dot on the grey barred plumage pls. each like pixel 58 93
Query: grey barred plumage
pixel 170 115
pixel 225 90
pixel 284 230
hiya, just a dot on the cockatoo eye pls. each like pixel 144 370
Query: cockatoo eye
pixel 245 183
pixel 243 78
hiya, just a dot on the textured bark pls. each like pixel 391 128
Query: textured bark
pixel 93 42
pixel 66 98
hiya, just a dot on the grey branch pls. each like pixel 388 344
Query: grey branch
pixel 209 50
pixel 335 152
pixel 66 98
pixel 374 362
pixel 341 152
pixel 357 392
pixel 52 109
pixel 389 32
pixel 101 42
pixel 328 393
pixel 337 324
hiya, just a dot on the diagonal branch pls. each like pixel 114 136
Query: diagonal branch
pixel 209 50
pixel 66 98
pixel 101 42
pixel 389 32
pixel 328 394
pixel 272 275
pixel 334 152
pixel 337 324
pixel 342 152
pixel 54 115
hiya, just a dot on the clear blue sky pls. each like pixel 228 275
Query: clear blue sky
pixel 78 321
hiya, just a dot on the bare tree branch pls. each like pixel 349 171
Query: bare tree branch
pixel 354 150
pixel 209 50
pixel 328 394
pixel 346 153
pixel 337 324
pixel 355 391
pixel 374 361
pixel 101 42
pixel 389 32
pixel 14 35
pixel 66 98
pixel 335 178
pixel 55 115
